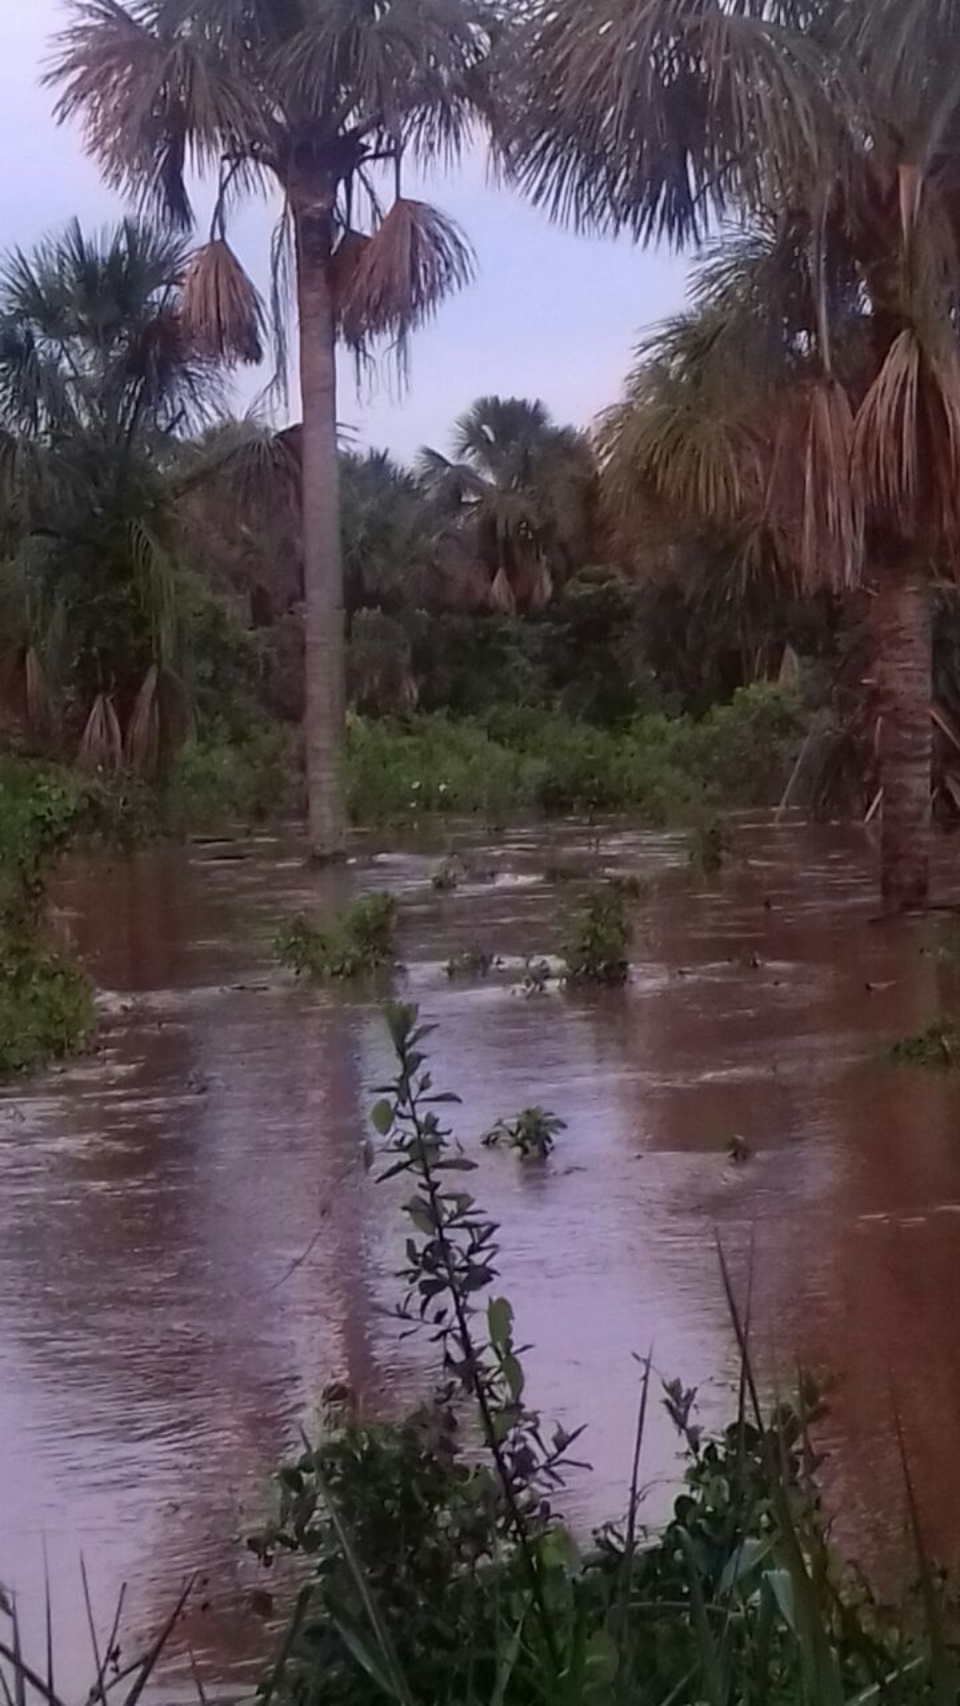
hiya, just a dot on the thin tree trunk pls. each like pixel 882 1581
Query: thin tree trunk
pixel 322 551
pixel 901 623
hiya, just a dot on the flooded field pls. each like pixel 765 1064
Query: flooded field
pixel 190 1247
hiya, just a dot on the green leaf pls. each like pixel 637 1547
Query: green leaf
pixel 382 1116
pixel 500 1322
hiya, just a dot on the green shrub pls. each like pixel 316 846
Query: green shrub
pixel 532 1134
pixel 596 948
pixel 360 939
pixel 519 759
pixel 218 781
pixel 938 1045
pixel 46 1006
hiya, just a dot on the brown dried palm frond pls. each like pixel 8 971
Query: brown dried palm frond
pixel 502 598
pixel 39 706
pixel 101 744
pixel 347 256
pixel 811 504
pixel 415 258
pixel 220 305
pixel 158 723
pixel 142 745
pixel 907 441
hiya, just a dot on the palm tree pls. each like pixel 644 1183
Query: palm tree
pixel 837 125
pixel 525 488
pixel 314 101
pixel 99 376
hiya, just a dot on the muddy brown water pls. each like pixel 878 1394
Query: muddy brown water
pixel 190 1248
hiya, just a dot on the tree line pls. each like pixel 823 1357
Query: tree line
pixel 806 410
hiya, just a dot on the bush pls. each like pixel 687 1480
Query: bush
pixel 532 1134
pixel 46 1005
pixel 218 781
pixel 359 940
pixel 596 948
pixel 518 759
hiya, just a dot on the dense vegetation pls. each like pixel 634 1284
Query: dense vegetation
pixel 46 1004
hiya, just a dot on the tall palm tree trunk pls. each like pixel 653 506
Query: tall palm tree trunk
pixel 901 625
pixel 322 551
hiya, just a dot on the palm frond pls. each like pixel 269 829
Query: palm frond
pixel 414 260
pixel 153 95
pixel 906 448
pixel 221 306
pixel 657 116
pixel 101 744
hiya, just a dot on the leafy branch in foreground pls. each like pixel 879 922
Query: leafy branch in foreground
pixel 440 1573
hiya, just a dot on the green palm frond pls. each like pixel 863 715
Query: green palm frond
pixel 657 116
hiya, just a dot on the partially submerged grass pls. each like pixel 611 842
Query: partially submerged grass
pixel 359 939
pixel 938 1045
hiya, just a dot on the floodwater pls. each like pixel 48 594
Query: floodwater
pixel 190 1247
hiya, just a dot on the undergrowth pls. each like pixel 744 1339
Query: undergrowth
pixel 46 1002
pixel 514 761
pixel 439 1570
pixel 359 939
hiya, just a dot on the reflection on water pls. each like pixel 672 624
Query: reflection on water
pixel 190 1247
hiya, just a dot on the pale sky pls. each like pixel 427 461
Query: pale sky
pixel 550 315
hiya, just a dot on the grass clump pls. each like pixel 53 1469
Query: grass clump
pixel 938 1045
pixel 596 947
pixel 359 939
pixel 531 1135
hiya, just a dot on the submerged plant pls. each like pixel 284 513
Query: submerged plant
pixel 709 845
pixel 938 1045
pixel 532 1134
pixel 359 939
pixel 536 977
pixel 472 961
pixel 596 948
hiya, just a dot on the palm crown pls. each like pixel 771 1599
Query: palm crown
pixel 524 487
pixel 323 100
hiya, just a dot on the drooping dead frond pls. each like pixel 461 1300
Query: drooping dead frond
pixel 221 306
pixel 347 257
pixel 36 693
pixel 502 599
pixel 415 258
pixel 158 723
pixel 907 442
pixel 811 502
pixel 143 728
pixel 101 744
